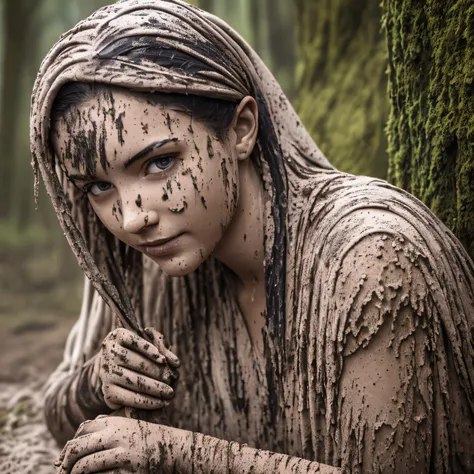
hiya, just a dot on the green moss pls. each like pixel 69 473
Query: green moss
pixel 431 124
pixel 342 82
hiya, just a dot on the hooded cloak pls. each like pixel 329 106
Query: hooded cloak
pixel 349 261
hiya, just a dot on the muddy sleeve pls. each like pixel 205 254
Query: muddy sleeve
pixel 384 395
pixel 78 397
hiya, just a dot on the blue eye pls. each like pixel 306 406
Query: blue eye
pixel 98 188
pixel 157 165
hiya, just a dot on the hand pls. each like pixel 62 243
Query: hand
pixel 136 373
pixel 113 442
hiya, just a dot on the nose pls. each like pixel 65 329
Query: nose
pixel 136 219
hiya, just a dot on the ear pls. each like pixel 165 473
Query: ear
pixel 245 126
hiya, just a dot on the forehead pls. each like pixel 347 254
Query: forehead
pixel 112 125
pixel 114 108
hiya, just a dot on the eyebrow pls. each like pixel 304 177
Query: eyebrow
pixel 81 177
pixel 152 147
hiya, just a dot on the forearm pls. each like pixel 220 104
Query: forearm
pixel 78 398
pixel 188 452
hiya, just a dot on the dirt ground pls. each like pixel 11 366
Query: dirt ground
pixel 29 353
pixel 36 315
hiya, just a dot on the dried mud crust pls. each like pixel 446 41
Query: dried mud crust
pixel 28 357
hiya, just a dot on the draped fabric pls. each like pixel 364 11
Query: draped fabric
pixel 361 263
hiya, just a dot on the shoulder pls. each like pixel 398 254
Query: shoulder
pixel 380 277
pixel 356 221
pixel 390 303
pixel 377 254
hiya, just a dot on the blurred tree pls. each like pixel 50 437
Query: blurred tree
pixel 341 81
pixel 18 19
pixel 281 41
pixel 431 125
pixel 207 5
pixel 268 25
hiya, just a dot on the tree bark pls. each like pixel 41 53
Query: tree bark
pixel 431 125
pixel 342 85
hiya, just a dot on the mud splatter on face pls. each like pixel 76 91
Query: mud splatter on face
pixel 180 176
pixel 119 206
pixel 120 128
pixel 102 153
pixel 210 149
pixel 177 210
pixel 115 212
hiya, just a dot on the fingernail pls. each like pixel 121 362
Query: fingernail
pixel 173 359
pixel 169 391
pixel 57 463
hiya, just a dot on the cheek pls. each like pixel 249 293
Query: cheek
pixel 228 179
pixel 110 214
pixel 175 194
pixel 219 192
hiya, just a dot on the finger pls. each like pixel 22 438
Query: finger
pixel 77 448
pixel 109 459
pixel 142 365
pixel 128 398
pixel 159 340
pixel 136 343
pixel 82 446
pixel 126 378
pixel 92 426
pixel 87 427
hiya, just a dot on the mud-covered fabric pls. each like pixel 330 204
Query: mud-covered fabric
pixel 377 292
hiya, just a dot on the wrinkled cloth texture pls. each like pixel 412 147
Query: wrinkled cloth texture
pixel 365 264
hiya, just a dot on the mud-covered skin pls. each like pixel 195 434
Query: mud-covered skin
pixel 135 372
pixel 202 189
pixel 137 447
pixel 305 394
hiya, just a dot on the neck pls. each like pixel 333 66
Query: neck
pixel 242 247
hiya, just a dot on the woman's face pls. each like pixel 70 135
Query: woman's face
pixel 163 183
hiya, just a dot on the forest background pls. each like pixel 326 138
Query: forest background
pixel 386 90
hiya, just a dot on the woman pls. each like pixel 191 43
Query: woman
pixel 312 313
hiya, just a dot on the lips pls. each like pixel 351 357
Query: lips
pixel 161 247
pixel 158 242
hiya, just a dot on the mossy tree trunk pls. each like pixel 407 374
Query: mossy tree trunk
pixel 342 82
pixel 431 125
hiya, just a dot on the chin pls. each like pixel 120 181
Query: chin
pixel 178 266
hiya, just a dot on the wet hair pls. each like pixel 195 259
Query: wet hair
pixel 216 114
